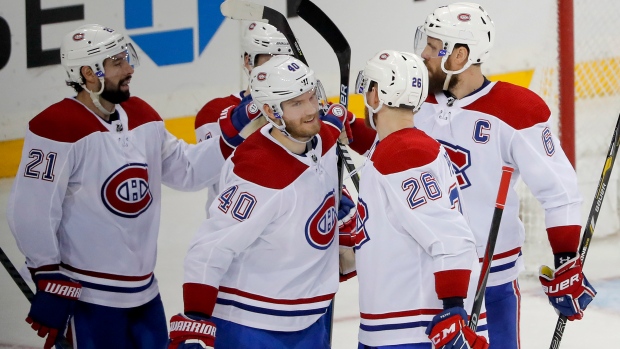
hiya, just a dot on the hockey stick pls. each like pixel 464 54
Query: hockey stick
pixel 588 232
pixel 239 9
pixel 23 286
pixel 502 193
pixel 318 20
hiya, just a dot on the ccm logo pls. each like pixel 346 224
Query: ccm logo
pixel 444 333
pixel 562 285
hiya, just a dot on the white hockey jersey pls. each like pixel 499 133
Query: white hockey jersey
pixel 206 127
pixel 503 124
pixel 87 195
pixel 413 245
pixel 268 245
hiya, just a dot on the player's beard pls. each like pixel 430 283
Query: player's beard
pixel 437 77
pixel 304 131
pixel 114 94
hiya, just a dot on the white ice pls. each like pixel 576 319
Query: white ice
pixel 183 212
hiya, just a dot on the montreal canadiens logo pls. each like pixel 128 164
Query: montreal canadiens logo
pixel 321 226
pixel 78 37
pixel 252 109
pixel 252 26
pixel 464 17
pixel 126 192
pixel 337 111
pixel 384 56
pixel 261 76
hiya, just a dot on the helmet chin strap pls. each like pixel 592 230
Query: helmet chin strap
pixel 449 73
pixel 372 112
pixel 94 96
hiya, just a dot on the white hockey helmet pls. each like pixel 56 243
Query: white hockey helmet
pixel 401 77
pixel 458 23
pixel 90 45
pixel 262 38
pixel 280 79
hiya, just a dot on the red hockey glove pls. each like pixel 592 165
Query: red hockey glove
pixel 346 228
pixel 345 117
pixel 234 118
pixel 191 332
pixel 568 289
pixel 447 330
pixel 53 304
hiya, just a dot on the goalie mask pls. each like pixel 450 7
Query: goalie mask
pixel 401 78
pixel 280 79
pixel 91 45
pixel 459 23
pixel 262 38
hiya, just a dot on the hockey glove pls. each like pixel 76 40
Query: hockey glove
pixel 235 118
pixel 52 305
pixel 346 227
pixel 568 289
pixel 191 332
pixel 345 119
pixel 448 330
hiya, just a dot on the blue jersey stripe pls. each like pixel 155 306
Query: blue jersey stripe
pixel 274 312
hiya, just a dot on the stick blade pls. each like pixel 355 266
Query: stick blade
pixel 239 9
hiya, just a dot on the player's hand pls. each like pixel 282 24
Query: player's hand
pixel 568 289
pixel 52 305
pixel 448 330
pixel 191 332
pixel 346 118
pixel 346 227
pixel 234 119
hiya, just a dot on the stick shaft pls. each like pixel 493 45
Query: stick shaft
pixel 588 232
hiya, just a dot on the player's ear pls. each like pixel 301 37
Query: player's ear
pixel 460 55
pixel 89 76
pixel 372 96
pixel 269 112
pixel 246 61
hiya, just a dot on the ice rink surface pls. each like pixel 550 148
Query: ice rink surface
pixel 183 212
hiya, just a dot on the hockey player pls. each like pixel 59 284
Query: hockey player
pixel 485 125
pixel 264 267
pixel 416 258
pixel 85 204
pixel 260 42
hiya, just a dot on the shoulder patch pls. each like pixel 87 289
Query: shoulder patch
pixel 211 111
pixel 261 161
pixel 66 121
pixel 515 105
pixel 139 112
pixel 404 149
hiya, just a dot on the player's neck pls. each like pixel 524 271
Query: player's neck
pixel 468 81
pixel 292 146
pixel 84 97
pixel 391 120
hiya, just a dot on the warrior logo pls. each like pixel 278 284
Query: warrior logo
pixel 461 160
pixel 126 192
pixel 321 226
